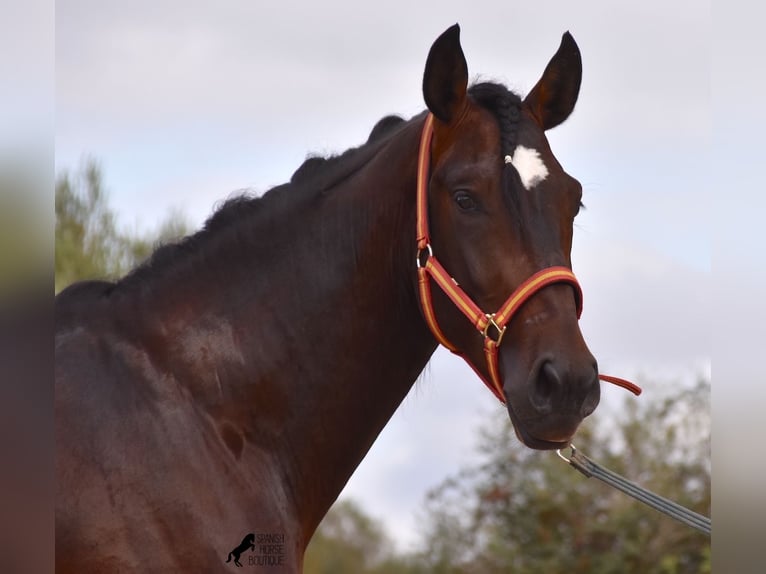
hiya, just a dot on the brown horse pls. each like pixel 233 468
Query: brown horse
pixel 232 383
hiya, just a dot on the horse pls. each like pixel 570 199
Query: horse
pixel 232 383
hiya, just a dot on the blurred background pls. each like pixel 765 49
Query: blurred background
pixel 162 110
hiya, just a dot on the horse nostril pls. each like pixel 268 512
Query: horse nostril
pixel 545 386
pixel 566 391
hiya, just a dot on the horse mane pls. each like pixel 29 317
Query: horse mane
pixel 318 166
pixel 314 178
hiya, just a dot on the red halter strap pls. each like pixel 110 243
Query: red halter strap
pixel 490 325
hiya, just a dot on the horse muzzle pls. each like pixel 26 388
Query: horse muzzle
pixel 558 394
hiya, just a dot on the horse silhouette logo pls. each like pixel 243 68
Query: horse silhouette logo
pixel 247 542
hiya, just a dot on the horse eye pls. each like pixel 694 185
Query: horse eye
pixel 465 201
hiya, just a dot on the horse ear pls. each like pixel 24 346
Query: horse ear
pixel 553 98
pixel 445 80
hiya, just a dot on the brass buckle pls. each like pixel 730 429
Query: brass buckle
pixel 491 323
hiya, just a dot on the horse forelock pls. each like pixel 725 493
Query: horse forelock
pixel 505 105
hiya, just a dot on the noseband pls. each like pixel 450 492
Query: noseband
pixel 491 326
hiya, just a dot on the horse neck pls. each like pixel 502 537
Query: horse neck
pixel 303 350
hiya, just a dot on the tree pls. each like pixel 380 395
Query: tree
pixel 348 541
pixel 525 511
pixel 89 245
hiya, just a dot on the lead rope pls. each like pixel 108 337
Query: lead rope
pixel 589 468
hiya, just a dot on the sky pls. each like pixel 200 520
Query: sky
pixel 187 102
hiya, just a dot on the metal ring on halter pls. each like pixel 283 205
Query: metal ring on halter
pixel 565 459
pixel 420 252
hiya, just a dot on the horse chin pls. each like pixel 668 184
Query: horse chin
pixel 542 440
pixel 538 444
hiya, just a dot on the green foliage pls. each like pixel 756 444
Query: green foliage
pixel 525 511
pixel 350 542
pixel 89 245
pixel 24 239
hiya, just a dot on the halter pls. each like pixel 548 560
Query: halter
pixel 491 326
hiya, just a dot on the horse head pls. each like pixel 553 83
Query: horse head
pixel 501 209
